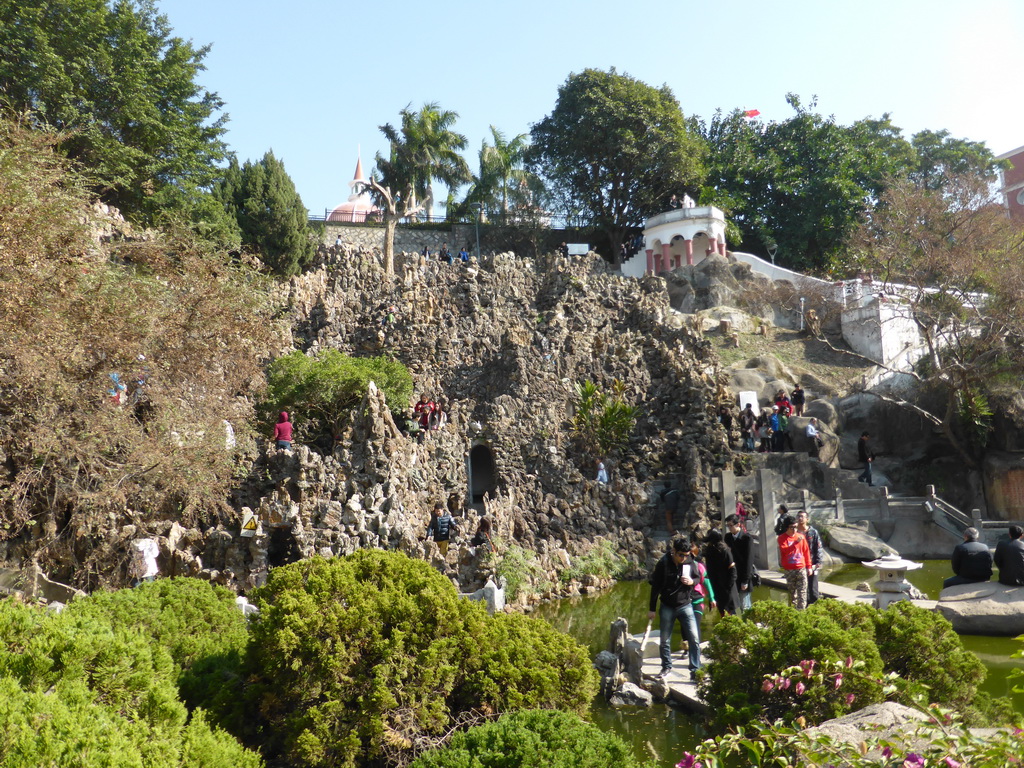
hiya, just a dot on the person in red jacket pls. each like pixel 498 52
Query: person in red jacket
pixel 423 410
pixel 283 431
pixel 795 559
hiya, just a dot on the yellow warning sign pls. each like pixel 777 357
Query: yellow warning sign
pixel 249 524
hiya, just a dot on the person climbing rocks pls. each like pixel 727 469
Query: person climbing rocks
pixel 283 432
pixel 672 583
pixel 441 527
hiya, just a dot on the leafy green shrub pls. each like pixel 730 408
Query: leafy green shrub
pixel 602 423
pixel 76 691
pixel 375 655
pixel 324 389
pixel 773 637
pixel 539 739
pixel 602 561
pixel 196 622
pixel 769 664
pixel 523 662
pixel 520 570
pixel 922 648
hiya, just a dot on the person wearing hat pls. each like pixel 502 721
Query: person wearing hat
pixel 795 559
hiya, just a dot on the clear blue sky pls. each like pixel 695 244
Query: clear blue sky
pixel 313 79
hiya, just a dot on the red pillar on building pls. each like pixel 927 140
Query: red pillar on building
pixel 650 261
pixel 689 252
pixel 666 255
pixel 721 245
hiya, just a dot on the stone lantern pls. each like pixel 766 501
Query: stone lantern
pixel 892 579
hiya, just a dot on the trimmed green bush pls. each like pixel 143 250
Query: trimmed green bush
pixel 762 664
pixel 533 739
pixel 197 623
pixel 76 691
pixel 367 657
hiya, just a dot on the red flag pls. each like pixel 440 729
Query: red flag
pixel 751 113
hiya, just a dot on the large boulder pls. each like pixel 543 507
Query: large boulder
pixel 630 695
pixel 857 544
pixel 986 608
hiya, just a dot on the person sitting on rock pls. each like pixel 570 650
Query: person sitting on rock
pixel 445 255
pixel 811 431
pixel 412 425
pixel 464 254
pixel 483 535
pixel 438 417
pixel 1010 558
pixel 971 561
pixel 441 526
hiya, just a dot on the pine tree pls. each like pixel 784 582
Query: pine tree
pixel 274 222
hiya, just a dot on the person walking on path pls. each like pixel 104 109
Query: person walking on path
pixel 722 572
pixel 742 547
pixel 672 583
pixel 441 526
pixel 815 547
pixel 283 432
pixel 972 561
pixel 866 456
pixel 795 559
pixel 1010 558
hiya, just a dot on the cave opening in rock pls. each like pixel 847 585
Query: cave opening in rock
pixel 282 548
pixel 483 475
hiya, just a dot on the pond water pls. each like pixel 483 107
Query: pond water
pixel 663 732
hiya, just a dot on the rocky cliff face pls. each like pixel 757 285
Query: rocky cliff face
pixel 502 345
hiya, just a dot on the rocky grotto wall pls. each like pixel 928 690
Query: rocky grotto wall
pixel 502 344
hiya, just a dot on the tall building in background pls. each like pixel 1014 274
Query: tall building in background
pixel 1013 182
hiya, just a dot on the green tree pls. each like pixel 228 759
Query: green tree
pixel 533 739
pixel 262 198
pixel 940 157
pixel 375 656
pixel 613 150
pixel 504 184
pixel 602 423
pixel 801 184
pixel 122 89
pixel 423 149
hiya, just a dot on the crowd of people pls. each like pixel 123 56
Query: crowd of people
pixel 771 426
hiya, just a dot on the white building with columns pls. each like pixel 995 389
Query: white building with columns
pixel 676 237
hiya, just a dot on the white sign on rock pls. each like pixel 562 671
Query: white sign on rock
pixel 249 523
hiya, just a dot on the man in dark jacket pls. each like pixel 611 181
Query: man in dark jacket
pixel 442 524
pixel 803 524
pixel 742 545
pixel 672 582
pixel 1010 558
pixel 972 561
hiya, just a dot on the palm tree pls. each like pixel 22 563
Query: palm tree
pixel 502 173
pixel 425 149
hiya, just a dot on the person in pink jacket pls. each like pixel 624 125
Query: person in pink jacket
pixel 283 431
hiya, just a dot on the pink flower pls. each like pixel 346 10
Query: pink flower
pixel 800 688
pixel 951 762
pixel 689 761
pixel 913 760
pixel 849 699
pixel 838 681
pixel 784 683
pixel 886 752
pixel 767 686
pixel 849 662
pixel 807 666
